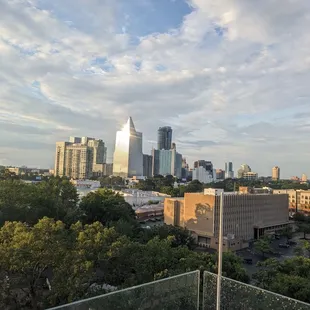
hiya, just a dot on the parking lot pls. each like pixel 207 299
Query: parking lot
pixel 282 253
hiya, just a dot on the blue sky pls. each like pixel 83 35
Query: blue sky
pixel 230 76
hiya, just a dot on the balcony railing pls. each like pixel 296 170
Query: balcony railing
pixel 240 296
pixel 182 293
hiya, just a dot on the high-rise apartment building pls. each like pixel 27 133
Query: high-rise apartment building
pixel 128 156
pixel 304 178
pixel 229 171
pixel 80 157
pixel 185 169
pixel 276 173
pixel 246 216
pixel 220 174
pixel 147 165
pixel 167 162
pixel 205 164
pixel 108 169
pixel 244 168
pixel 202 175
pixel 164 138
pixel 155 162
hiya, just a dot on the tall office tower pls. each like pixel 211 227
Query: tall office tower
pixel 276 173
pixel 164 138
pixel 128 156
pixel 108 169
pixel 205 164
pixel 147 165
pixel 167 162
pixel 80 157
pixel 229 172
pixel 244 168
pixel 155 162
pixel 185 168
pixel 220 174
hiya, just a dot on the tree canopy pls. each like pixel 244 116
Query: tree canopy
pixel 290 277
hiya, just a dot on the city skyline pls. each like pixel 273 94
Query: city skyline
pixel 227 78
pixel 130 127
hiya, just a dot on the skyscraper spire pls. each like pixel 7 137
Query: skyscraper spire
pixel 129 126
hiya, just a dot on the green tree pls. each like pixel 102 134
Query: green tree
pixel 289 277
pixel 266 273
pixel 55 198
pixel 287 232
pixel 108 208
pixel 303 249
pixel 182 237
pixel 193 187
pixel 68 258
pixel 262 246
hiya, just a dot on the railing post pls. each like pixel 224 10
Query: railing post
pixel 220 255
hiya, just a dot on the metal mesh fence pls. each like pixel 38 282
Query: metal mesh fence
pixel 175 293
pixel 240 296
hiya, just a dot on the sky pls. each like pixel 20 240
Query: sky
pixel 231 77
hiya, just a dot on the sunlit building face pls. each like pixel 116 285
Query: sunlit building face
pixel 128 157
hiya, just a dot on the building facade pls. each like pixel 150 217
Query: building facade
pixel 202 175
pixel 220 174
pixel 243 169
pixel 155 162
pixel 251 176
pixel 299 200
pixel 128 156
pixel 169 162
pixel 229 170
pixel 164 138
pixel 147 165
pixel 207 165
pixel 80 157
pixel 276 173
pixel 246 217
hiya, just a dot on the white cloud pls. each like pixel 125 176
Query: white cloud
pixel 230 79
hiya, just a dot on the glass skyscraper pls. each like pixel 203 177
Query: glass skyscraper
pixel 229 171
pixel 128 156
pixel 164 138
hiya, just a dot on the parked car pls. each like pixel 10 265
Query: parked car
pixel 278 237
pixel 248 261
pixel 284 245
pixel 291 242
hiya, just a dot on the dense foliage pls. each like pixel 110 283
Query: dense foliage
pixel 55 249
pixel 290 277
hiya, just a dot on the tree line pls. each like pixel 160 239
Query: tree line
pixel 55 249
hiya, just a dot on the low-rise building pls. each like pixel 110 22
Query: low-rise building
pixel 299 200
pixel 246 216
pixel 150 212
pixel 250 175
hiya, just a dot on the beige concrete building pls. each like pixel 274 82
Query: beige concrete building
pixel 304 178
pixel 276 173
pixel 80 157
pixel 299 200
pixel 250 175
pixel 246 216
